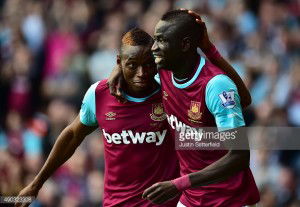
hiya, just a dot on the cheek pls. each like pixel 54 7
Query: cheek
pixel 128 75
pixel 168 50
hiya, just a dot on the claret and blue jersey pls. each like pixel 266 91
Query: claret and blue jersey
pixel 208 99
pixel 138 148
pixel 138 142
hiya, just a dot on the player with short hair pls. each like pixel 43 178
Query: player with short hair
pixel 138 149
pixel 216 178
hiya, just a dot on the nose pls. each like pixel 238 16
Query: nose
pixel 154 46
pixel 142 72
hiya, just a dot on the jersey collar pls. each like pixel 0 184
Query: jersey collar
pixel 192 80
pixel 138 100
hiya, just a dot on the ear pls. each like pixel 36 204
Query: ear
pixel 118 60
pixel 186 44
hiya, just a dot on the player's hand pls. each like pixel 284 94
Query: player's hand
pixel 161 192
pixel 204 43
pixel 29 191
pixel 115 82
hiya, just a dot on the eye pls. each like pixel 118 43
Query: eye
pixel 131 65
pixel 159 39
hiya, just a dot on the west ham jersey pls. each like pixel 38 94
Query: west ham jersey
pixel 208 99
pixel 138 148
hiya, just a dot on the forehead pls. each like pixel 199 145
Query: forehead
pixel 129 51
pixel 165 28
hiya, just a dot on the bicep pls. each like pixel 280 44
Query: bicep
pixel 81 130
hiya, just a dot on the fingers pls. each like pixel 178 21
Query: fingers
pixel 159 199
pixel 115 89
pixel 112 87
pixel 114 80
pixel 154 194
pixel 192 13
pixel 150 190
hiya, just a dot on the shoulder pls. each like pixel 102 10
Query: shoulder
pixel 210 70
pixel 96 88
pixel 220 81
pixel 220 88
pixel 101 85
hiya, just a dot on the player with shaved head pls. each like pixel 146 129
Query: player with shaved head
pixel 198 94
pixel 138 149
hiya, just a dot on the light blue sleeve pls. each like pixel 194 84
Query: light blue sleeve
pixel 88 107
pixel 223 101
pixel 157 78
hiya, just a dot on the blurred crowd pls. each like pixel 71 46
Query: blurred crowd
pixel 51 51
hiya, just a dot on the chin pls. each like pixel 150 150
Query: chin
pixel 161 65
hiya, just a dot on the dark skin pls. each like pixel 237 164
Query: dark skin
pixel 168 47
pixel 138 67
pixel 138 70
pixel 230 164
pixel 204 44
pixel 65 145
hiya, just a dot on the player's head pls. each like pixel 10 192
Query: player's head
pixel 175 37
pixel 136 59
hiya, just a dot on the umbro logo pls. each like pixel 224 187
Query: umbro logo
pixel 110 115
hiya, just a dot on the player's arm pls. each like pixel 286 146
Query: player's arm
pixel 214 56
pixel 223 101
pixel 230 164
pixel 228 116
pixel 65 145
pixel 67 142
pixel 220 62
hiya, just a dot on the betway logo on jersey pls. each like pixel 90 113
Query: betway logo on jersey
pixel 129 137
pixel 184 129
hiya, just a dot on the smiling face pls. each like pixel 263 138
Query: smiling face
pixel 167 44
pixel 138 67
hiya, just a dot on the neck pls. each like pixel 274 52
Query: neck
pixel 186 67
pixel 132 91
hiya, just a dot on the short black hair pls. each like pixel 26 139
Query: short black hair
pixel 136 36
pixel 188 24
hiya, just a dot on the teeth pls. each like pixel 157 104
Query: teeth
pixel 157 59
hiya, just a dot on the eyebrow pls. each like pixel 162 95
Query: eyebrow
pixel 131 59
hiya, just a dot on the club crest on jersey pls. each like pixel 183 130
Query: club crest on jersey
pixel 158 113
pixel 194 111
pixel 227 99
pixel 110 115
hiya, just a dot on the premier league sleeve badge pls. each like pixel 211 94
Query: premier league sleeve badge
pixel 227 99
